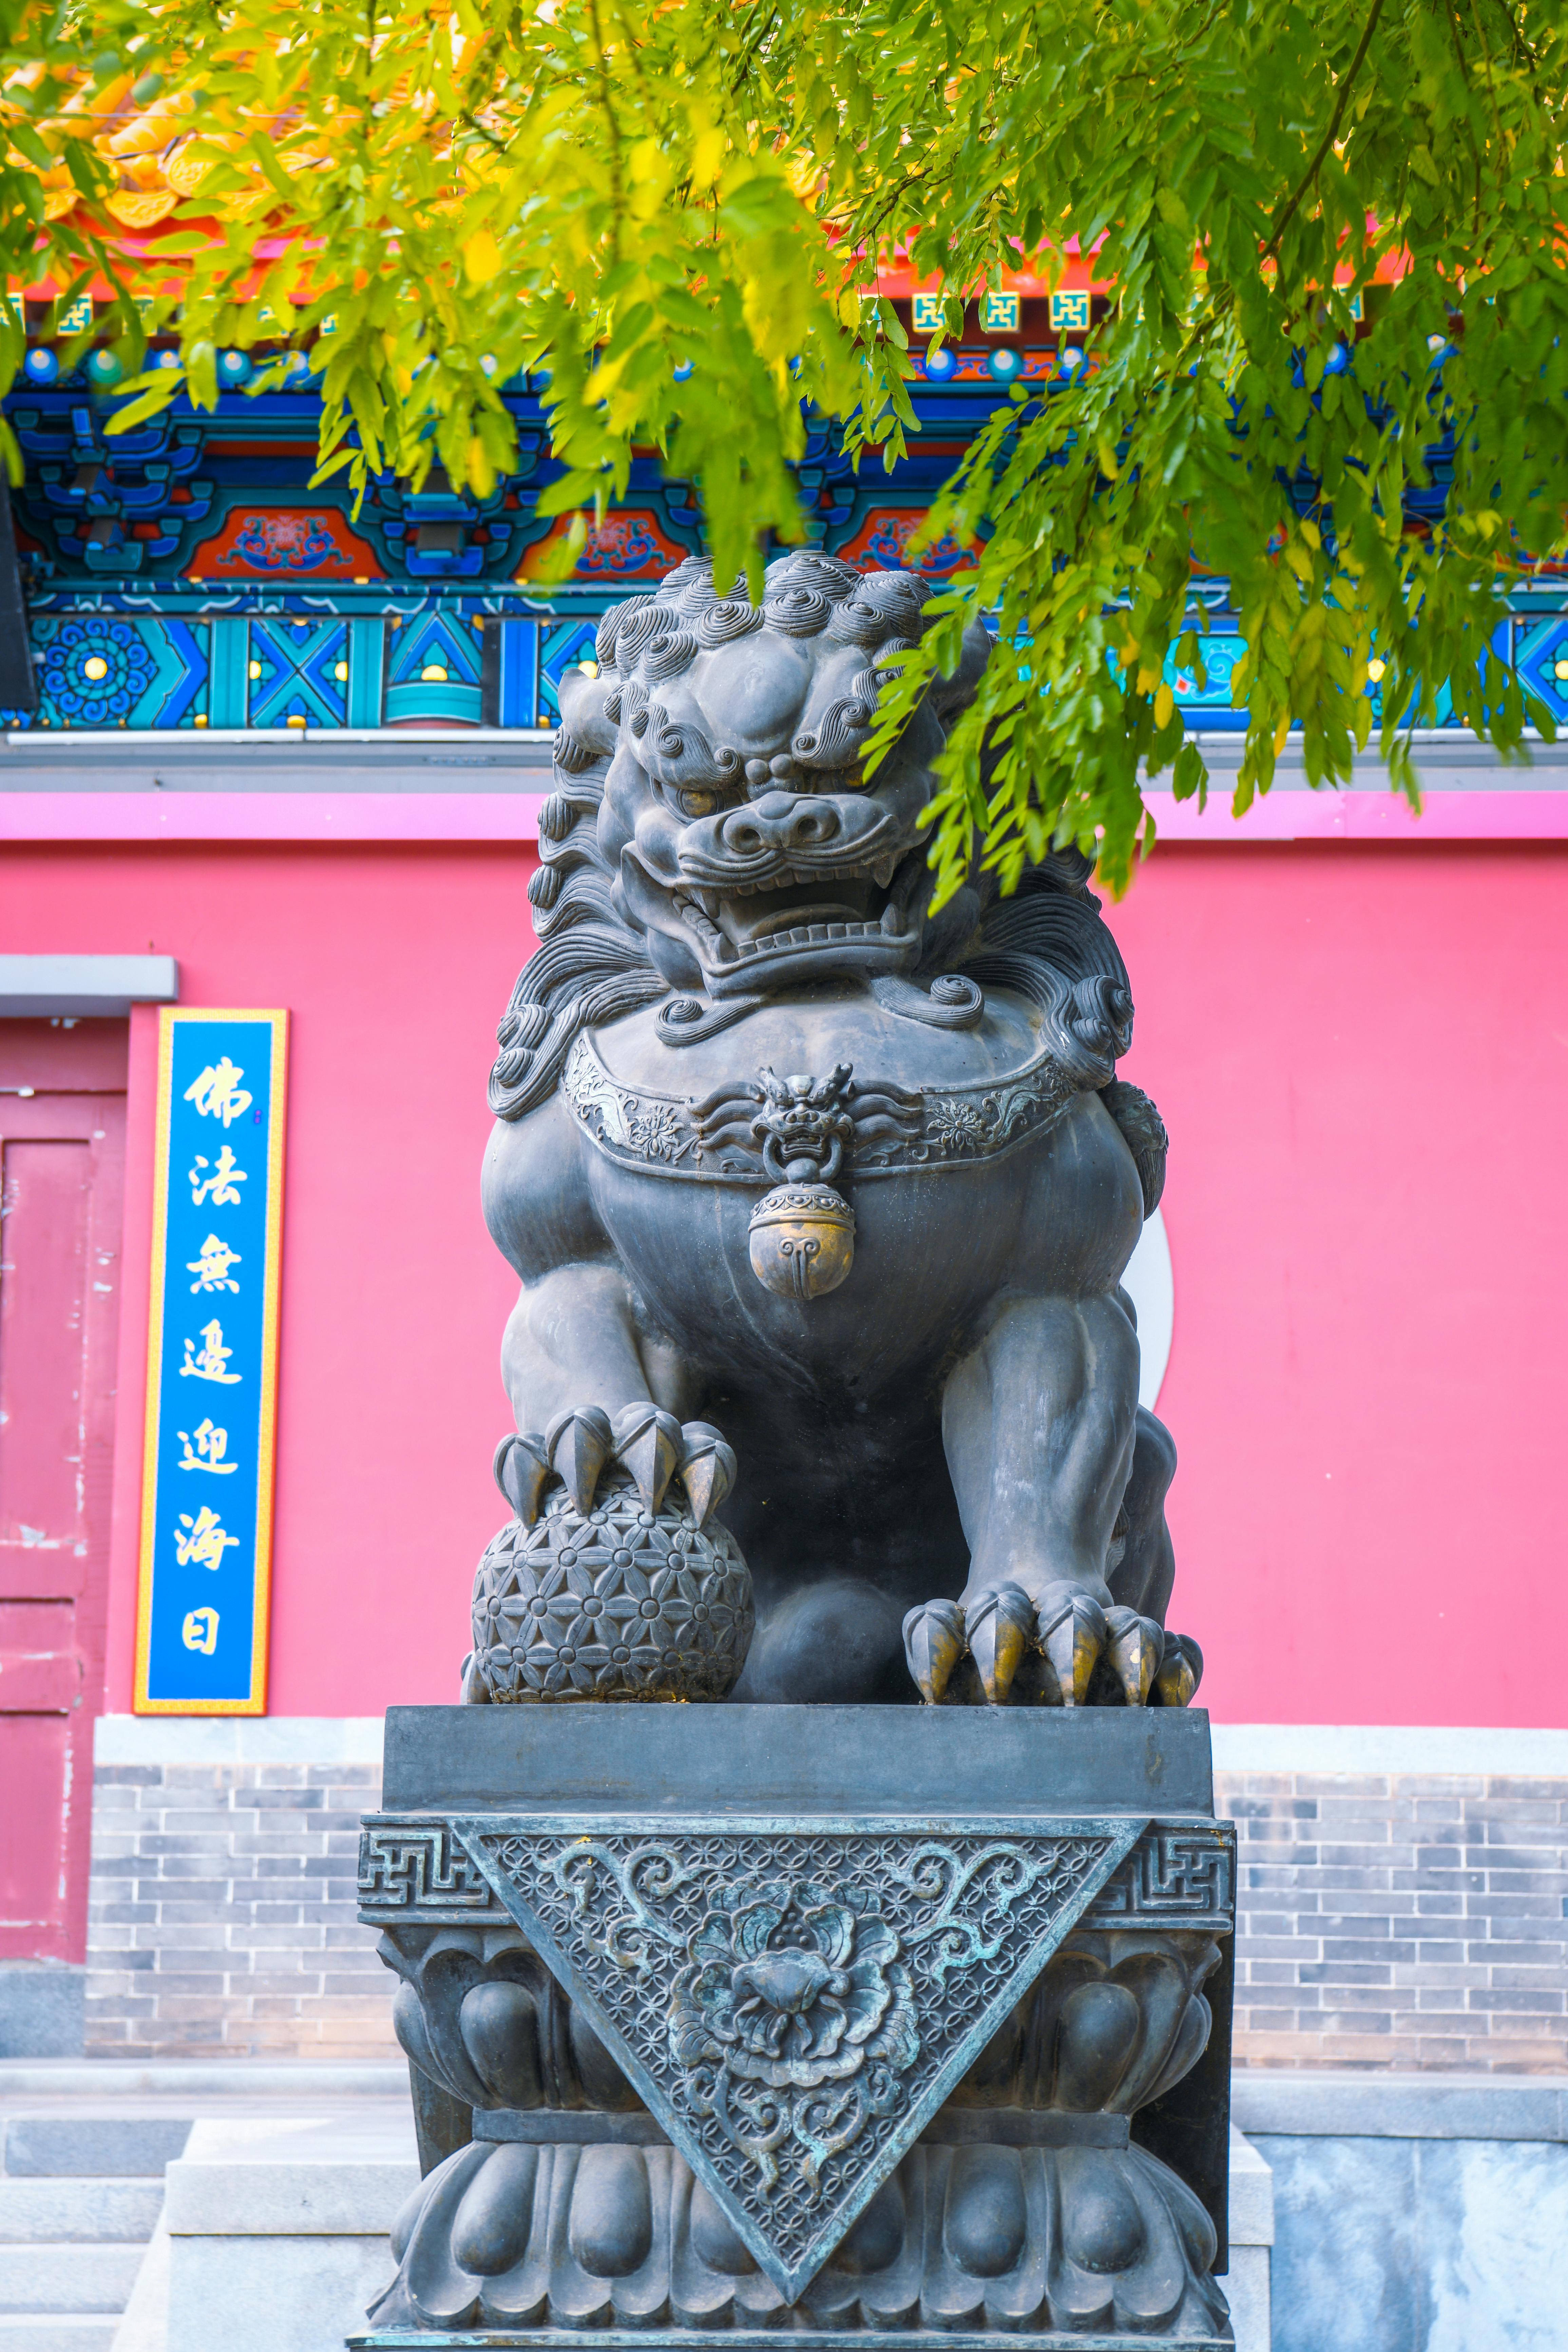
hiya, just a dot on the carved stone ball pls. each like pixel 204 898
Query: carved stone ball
pixel 619 1602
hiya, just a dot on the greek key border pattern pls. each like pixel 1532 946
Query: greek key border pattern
pixel 1177 1875
pixel 416 1873
pixel 413 1872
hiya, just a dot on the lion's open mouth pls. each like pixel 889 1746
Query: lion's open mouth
pixel 838 916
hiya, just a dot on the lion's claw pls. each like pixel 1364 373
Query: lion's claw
pixel 933 1645
pixel 1136 1649
pixel 648 1441
pixel 578 1443
pixel 707 1468
pixel 1001 1629
pixel 1181 1671
pixel 521 1466
pixel 1072 1635
pixel 649 1444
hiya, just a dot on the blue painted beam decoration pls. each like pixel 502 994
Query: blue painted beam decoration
pixel 212 1368
pixel 190 574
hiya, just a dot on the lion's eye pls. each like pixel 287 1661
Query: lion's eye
pixel 697 803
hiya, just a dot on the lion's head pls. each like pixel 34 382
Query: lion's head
pixel 712 830
pixel 746 842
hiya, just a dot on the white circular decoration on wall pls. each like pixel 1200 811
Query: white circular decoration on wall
pixel 1148 1284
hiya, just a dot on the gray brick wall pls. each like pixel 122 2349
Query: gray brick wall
pixel 221 1914
pixel 1401 1920
pixel 1387 1918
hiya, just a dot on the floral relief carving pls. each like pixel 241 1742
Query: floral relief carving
pixel 788 1988
pixel 652 1130
pixel 874 1129
pixel 974 1124
pixel 793 2005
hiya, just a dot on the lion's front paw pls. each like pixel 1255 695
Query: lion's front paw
pixel 1061 1649
pixel 650 1445
pixel 610 1581
pixel 1002 1628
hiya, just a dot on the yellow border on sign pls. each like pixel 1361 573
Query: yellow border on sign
pixel 266 1424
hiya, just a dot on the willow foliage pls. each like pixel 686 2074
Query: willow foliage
pixel 1335 233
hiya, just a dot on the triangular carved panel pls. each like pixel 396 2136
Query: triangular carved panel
pixel 794 2004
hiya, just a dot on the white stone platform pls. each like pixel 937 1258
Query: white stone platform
pixel 83 2151
pixel 277 2231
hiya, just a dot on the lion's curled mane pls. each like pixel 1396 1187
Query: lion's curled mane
pixel 1045 941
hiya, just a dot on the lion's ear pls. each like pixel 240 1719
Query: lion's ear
pixel 582 713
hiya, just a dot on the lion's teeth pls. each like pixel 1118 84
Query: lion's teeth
pixel 882 870
pixel 708 933
pixel 890 924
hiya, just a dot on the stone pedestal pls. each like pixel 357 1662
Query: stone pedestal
pixel 888 2021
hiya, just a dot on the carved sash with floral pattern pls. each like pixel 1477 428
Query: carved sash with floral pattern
pixel 709 1140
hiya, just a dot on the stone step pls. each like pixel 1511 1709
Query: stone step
pixel 132 2147
pixel 46 2210
pixel 38 2280
pixel 57 2331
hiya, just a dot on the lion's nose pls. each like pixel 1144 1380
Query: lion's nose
pixel 780 821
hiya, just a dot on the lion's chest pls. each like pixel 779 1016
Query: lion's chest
pixel 933 1140
pixel 927 1253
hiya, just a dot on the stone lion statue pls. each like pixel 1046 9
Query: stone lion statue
pixel 821 1199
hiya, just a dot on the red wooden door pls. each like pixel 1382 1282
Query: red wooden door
pixel 62 1156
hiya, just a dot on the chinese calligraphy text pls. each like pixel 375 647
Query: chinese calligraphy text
pixel 217 1221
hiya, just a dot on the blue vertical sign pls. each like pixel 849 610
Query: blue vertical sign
pixel 212 1364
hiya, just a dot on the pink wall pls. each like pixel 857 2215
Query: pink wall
pixel 1358 1051
pixel 1363 1058
pixel 396 965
